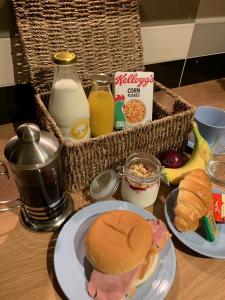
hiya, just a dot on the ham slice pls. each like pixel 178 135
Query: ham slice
pixel 114 287
pixel 160 235
pixel 111 287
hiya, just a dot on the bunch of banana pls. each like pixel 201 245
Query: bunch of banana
pixel 198 160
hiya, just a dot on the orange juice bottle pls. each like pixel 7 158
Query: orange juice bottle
pixel 101 104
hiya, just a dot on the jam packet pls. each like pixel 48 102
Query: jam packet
pixel 133 98
pixel 218 207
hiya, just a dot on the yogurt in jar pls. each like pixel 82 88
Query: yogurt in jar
pixel 140 184
pixel 142 198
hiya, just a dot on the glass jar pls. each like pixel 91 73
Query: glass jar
pixel 141 179
pixel 68 103
pixel 101 105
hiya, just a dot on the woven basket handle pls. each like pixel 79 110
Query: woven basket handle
pixel 171 93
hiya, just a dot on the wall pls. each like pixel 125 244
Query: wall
pixel 16 101
pixel 184 42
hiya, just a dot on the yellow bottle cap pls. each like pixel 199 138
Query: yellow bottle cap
pixel 64 58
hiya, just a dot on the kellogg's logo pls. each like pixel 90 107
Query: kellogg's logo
pixel 133 78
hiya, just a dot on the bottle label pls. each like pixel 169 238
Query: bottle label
pixel 79 131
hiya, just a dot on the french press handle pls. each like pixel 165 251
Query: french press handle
pixel 4 172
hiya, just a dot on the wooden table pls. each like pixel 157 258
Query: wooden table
pixel 26 258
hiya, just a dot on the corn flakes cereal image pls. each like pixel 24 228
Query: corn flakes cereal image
pixel 134 111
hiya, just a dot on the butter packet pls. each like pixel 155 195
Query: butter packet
pixel 210 228
pixel 133 98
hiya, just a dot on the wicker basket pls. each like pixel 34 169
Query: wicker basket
pixel 83 161
pixel 102 33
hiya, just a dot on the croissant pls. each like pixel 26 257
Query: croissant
pixel 194 200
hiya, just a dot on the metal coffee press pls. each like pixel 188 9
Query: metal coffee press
pixel 34 159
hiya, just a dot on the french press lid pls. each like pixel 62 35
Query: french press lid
pixel 31 147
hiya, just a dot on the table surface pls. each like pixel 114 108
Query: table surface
pixel 26 258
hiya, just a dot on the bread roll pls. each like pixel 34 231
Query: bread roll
pixel 118 242
pixel 148 269
pixel 194 200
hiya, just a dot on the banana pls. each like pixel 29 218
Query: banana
pixel 198 160
pixel 201 145
pixel 174 176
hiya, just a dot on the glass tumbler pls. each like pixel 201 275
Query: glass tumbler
pixel 216 165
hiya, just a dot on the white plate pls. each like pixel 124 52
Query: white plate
pixel 194 240
pixel 71 267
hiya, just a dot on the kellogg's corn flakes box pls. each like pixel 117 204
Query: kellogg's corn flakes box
pixel 133 98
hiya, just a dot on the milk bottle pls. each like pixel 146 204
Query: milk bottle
pixel 68 103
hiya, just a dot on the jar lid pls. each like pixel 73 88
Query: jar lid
pixel 101 78
pixel 104 185
pixel 64 58
pixel 31 147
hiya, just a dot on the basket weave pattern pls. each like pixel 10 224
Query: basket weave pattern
pixel 105 35
pixel 85 160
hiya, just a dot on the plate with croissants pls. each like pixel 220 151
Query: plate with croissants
pixel 188 212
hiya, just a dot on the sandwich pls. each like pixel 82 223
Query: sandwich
pixel 123 249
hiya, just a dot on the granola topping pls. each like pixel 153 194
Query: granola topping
pixel 141 170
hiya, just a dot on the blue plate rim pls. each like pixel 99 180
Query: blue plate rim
pixel 110 203
pixel 180 235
